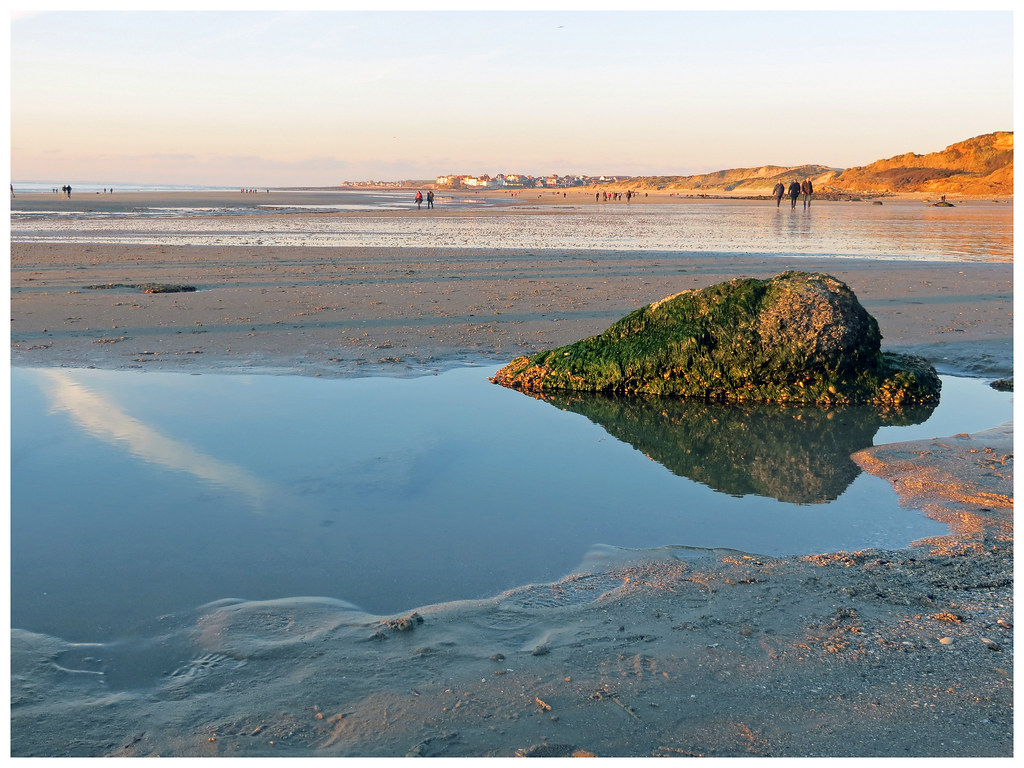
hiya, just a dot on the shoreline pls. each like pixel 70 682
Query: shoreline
pixel 670 652
pixel 547 196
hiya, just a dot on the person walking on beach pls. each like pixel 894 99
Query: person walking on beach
pixel 794 193
pixel 430 198
pixel 807 189
pixel 419 199
pixel 778 191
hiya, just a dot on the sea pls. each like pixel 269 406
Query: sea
pixel 869 229
pixel 93 187
pixel 94 201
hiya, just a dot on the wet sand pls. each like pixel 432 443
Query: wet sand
pixel 338 311
pixel 671 653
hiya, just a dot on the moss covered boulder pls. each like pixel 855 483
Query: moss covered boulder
pixel 798 337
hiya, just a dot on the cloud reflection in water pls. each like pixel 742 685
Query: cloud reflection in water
pixel 106 421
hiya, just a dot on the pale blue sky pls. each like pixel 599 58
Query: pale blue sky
pixel 268 98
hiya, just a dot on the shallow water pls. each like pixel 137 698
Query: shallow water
pixel 136 495
pixel 979 231
pixel 90 205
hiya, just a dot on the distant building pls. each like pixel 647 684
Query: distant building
pixel 479 182
pixel 519 180
pixel 451 180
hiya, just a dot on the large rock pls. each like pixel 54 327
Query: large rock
pixel 798 337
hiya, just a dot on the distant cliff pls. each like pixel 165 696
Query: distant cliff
pixel 979 166
pixel 748 181
pixel 982 166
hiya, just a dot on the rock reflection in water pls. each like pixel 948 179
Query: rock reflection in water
pixel 799 455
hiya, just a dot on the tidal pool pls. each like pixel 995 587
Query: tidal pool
pixel 139 495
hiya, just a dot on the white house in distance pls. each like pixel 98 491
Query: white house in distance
pixel 518 180
pixel 472 182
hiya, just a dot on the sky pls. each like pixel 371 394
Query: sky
pixel 274 98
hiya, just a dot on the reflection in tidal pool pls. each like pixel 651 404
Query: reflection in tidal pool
pixel 136 495
pixel 794 454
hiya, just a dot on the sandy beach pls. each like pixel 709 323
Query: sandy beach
pixel 676 653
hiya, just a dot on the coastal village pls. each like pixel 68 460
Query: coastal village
pixel 521 181
pixel 498 181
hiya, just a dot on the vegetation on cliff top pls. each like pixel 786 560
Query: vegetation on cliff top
pixel 796 338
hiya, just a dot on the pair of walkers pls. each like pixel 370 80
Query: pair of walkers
pixel 430 199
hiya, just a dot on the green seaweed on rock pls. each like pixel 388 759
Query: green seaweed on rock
pixel 796 338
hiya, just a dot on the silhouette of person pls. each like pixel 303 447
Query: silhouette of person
pixel 807 189
pixel 794 193
pixel 778 191
pixel 430 198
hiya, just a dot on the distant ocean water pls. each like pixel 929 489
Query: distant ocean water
pixel 976 231
pixel 38 202
pixel 91 187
